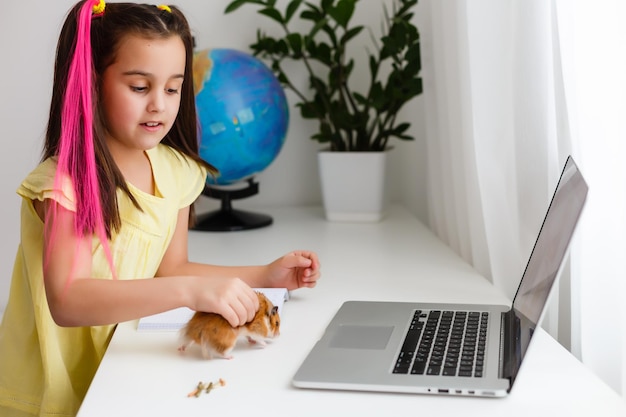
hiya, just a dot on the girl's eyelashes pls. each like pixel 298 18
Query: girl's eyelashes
pixel 138 89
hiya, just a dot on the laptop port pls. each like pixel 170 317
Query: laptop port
pixel 443 391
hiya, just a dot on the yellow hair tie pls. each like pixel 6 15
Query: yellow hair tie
pixel 99 8
pixel 165 7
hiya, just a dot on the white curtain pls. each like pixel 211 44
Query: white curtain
pixel 594 56
pixel 503 105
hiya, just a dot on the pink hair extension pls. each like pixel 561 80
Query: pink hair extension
pixel 76 155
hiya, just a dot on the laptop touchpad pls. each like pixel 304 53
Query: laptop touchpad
pixel 361 337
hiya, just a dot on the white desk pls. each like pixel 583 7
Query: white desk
pixel 143 374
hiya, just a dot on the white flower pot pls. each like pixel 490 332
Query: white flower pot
pixel 354 185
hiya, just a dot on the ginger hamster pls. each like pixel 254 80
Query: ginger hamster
pixel 217 337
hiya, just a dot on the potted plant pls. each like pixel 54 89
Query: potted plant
pixel 354 121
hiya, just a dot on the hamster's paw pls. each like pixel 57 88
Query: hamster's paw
pixel 258 342
pixel 206 352
pixel 225 355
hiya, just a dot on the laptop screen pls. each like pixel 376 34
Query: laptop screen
pixel 548 253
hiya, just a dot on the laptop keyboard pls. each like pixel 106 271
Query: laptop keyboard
pixel 447 343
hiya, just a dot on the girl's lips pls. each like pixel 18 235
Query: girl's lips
pixel 152 126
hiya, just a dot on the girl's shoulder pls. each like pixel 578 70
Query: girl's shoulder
pixel 45 171
pixel 41 183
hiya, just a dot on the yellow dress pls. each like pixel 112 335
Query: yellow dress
pixel 45 369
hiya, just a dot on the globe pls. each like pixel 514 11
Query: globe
pixel 243 113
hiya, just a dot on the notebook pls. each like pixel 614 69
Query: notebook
pixel 468 349
pixel 174 320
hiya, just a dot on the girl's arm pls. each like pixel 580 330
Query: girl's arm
pixel 292 271
pixel 75 298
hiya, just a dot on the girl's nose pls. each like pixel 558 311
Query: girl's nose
pixel 157 102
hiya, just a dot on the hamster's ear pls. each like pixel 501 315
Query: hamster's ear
pixel 274 310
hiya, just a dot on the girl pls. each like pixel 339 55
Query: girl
pixel 109 207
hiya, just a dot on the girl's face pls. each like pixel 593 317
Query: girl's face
pixel 141 92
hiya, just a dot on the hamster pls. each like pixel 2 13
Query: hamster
pixel 217 337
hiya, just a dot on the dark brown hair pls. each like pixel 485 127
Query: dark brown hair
pixel 107 30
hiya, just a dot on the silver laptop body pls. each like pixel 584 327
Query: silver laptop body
pixel 366 347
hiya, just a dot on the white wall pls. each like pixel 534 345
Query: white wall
pixel 28 34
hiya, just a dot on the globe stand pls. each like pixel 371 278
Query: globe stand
pixel 227 219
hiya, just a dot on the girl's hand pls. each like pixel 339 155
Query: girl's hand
pixel 231 298
pixel 295 270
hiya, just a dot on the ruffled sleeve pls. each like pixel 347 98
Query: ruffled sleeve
pixel 40 185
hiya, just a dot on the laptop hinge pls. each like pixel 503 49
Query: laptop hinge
pixel 509 346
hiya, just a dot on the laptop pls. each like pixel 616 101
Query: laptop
pixel 450 349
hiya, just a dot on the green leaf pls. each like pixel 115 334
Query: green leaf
pixel 312 13
pixel 351 33
pixel 310 46
pixel 295 42
pixel 330 32
pixel 323 53
pixel 342 12
pixel 321 138
pixel 293 6
pixel 377 96
pixel 235 5
pixel 325 129
pixel 282 78
pixel 374 65
pixel 318 25
pixel 401 128
pixel 414 58
pixel 360 98
pixel 327 4
pixel 272 14
pixel 281 48
pixel 307 110
pixel 321 95
pixel 403 137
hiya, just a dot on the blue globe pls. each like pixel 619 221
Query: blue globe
pixel 243 113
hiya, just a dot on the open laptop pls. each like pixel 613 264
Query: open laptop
pixel 448 349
